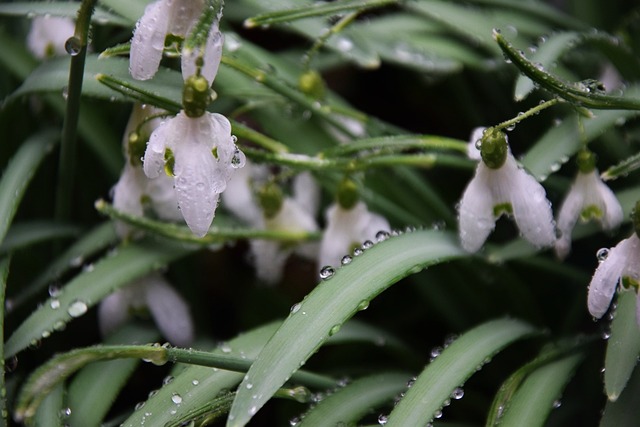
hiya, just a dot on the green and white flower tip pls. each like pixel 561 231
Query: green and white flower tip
pixel 173 17
pixel 621 264
pixel 589 198
pixel 168 309
pixel 501 186
pixel 48 35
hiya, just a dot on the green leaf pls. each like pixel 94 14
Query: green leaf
pixel 348 404
pixel 452 368
pixel 18 174
pixel 546 55
pixel 23 234
pixel 88 403
pixel 623 168
pixel 535 398
pixel 59 8
pixel 317 9
pixel 131 10
pixel 50 412
pixel 584 94
pixel 623 346
pixel 4 272
pixel 330 304
pixel 127 264
pixel 624 411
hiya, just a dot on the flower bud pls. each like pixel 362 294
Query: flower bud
pixel 310 83
pixel 347 194
pixel 271 199
pixel 494 148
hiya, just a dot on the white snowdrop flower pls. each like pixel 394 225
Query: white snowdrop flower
pixel 500 186
pixel 239 197
pixel 346 229
pixel 169 311
pixel 201 155
pixel 48 35
pixel 176 17
pixel 588 198
pixel 621 263
pixel 473 148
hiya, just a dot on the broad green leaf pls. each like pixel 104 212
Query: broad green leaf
pixel 623 346
pixel 330 304
pixel 24 234
pixel 543 11
pixel 533 401
pixel 128 263
pixel 624 411
pixel 346 405
pixel 546 55
pixel 132 10
pixel 92 242
pixel 4 272
pixel 18 174
pixel 459 361
pixel 58 8
pixel 88 403
pixel 51 412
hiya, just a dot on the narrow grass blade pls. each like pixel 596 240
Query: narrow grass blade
pixel 4 272
pixel 346 405
pixel 332 302
pixel 87 289
pixel 624 411
pixel 452 368
pixel 26 234
pixel 18 174
pixel 49 8
pixel 623 347
pixel 51 413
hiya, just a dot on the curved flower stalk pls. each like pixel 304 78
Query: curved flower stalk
pixel 167 308
pixel 172 17
pixel 501 186
pixel 48 35
pixel 589 198
pixel 349 224
pixel 621 264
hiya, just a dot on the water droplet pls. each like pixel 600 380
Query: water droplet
pixel 606 335
pixel 344 44
pixel 437 414
pixel 382 235
pixel 65 412
pixel 510 127
pixel 167 380
pixel 557 403
pixel 55 290
pixel 195 382
pixel 225 348
pixel 77 308
pixel 295 308
pixel 73 46
pixel 334 330
pixel 139 406
pixel 55 304
pixel 382 419
pixel 357 252
pixel 176 398
pixel 411 382
pixel 435 353
pixel 458 393
pixel 59 325
pixel 249 386
pixel 368 244
pixel 65 92
pixel 327 272
pixel 294 421
pixel 346 260
pixel 363 305
pixel 602 254
pixel 238 160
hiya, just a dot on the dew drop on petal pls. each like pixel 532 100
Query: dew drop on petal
pixel 602 254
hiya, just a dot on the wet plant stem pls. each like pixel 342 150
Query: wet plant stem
pixel 532 112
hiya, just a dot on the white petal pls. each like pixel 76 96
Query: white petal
pixel 306 192
pixel 113 311
pixel 605 280
pixel 48 34
pixel 184 14
pixel 569 213
pixel 638 309
pixel 612 210
pixel 531 209
pixel 472 148
pixel 292 217
pixel 160 140
pixel 212 56
pixel 475 212
pixel 238 196
pixel 163 198
pixel 169 311
pixel 127 195
pixel 269 260
pixel 148 40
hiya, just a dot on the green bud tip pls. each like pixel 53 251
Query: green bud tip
pixel 196 96
pixel 310 83
pixel 635 218
pixel 347 195
pixel 494 148
pixel 271 199
pixel 586 161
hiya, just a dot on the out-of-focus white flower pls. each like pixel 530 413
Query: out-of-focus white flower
pixel 202 156
pixel 500 186
pixel 169 311
pixel 347 228
pixel 622 262
pixel 589 198
pixel 175 17
pixel 48 35
pixel 239 197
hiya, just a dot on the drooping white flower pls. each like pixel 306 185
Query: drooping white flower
pixel 48 35
pixel 200 175
pixel 503 187
pixel 239 197
pixel 169 311
pixel 588 198
pixel 621 263
pixel 176 17
pixel 347 228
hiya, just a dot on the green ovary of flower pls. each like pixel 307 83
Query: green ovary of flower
pixel 196 96
pixel 271 199
pixel 502 208
pixel 591 212
pixel 347 194
pixel 494 148
pixel 169 162
pixel 586 161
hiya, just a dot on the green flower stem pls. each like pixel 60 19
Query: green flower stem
pixel 4 272
pixel 315 10
pixel 216 235
pixel 320 41
pixel 135 92
pixel 242 131
pixel 61 367
pixel 531 112
pixel 66 164
pixel 323 110
pixel 401 142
